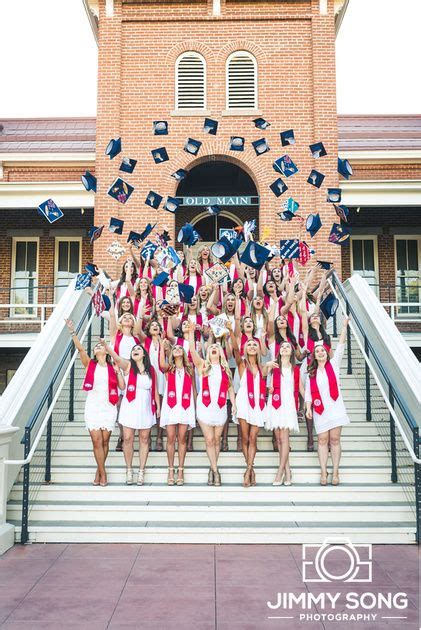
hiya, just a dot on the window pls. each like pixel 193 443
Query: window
pixel 408 277
pixel 67 263
pixel 241 81
pixel 24 276
pixel 364 259
pixel 190 81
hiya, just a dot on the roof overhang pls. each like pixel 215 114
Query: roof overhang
pixel 340 10
pixel 92 11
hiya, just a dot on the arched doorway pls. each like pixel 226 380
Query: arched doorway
pixel 217 182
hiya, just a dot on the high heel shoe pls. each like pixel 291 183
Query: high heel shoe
pixel 247 476
pixel 141 477
pixel 323 479
pixel 217 478
pixel 288 482
pixel 210 477
pixel 253 477
pixel 279 482
pixel 180 480
pixel 129 476
pixel 170 477
pixel 335 480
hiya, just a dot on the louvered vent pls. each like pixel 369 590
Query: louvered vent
pixel 242 83
pixel 191 81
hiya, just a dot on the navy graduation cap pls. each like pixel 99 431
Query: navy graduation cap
pixel 329 305
pixel 215 209
pixel 172 204
pixel 113 148
pixel 342 212
pixel 186 292
pixel 116 225
pixel 188 235
pixel 255 255
pixel 164 238
pixel 313 224
pixel 120 190
pixel 95 232
pixel 224 249
pixel 210 126
pixel 324 264
pixel 148 229
pixel 128 165
pixel 83 280
pixel 134 237
pixel 148 250
pixel 339 235
pixel 289 248
pixel 318 150
pixel 261 123
pixel 236 143
pixel 344 168
pixel 180 174
pixel 89 181
pixel 50 210
pixel 160 155
pixel 192 146
pixel 153 199
pixel 315 178
pixel 285 166
pixel 261 146
pixel 160 128
pixel 286 215
pixel 287 137
pixel 278 187
pixel 334 195
pixel 92 269
pixel 161 279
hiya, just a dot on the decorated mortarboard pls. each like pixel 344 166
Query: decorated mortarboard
pixel 116 250
pixel 164 238
pixel 160 128
pixel 98 302
pixel 286 215
pixel 107 302
pixel 261 123
pixel 89 181
pixel 214 209
pixel 160 155
pixel 113 148
pixel 313 224
pixel 224 249
pixel 188 235
pixel 255 255
pixel 148 229
pixel 192 146
pixel 290 205
pixel 334 195
pixel 148 250
pixel 289 248
pixel 249 227
pixel 342 212
pixel 210 126
pixel 261 146
pixel 83 280
pixel 324 264
pixel 116 225
pixel 278 187
pixel 120 190
pixel 161 279
pixel 128 165
pixel 186 292
pixel 317 150
pixel 329 305
pixel 172 204
pixel 338 234
pixel 285 166
pixel 153 199
pixel 305 253
pixel 315 178
pixel 92 269
pixel 50 211
pixel 236 143
pixel 287 137
pixel 134 238
pixel 180 174
pixel 344 168
pixel 95 232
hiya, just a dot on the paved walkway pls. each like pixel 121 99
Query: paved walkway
pixel 183 587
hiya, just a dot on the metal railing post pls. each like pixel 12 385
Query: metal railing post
pixel 25 489
pixel 394 474
pixel 47 477
pixel 348 343
pixel 89 342
pixel 367 383
pixel 72 394
pixel 335 326
pixel 102 328
pixel 417 473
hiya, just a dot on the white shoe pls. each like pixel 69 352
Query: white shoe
pixel 141 477
pixel 280 482
pixel 129 476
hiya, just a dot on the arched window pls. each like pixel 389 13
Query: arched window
pixel 241 81
pixel 190 81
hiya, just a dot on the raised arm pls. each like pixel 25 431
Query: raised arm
pixel 211 303
pixel 197 360
pixel 83 355
pixel 113 321
pixel 271 321
pixel 123 363
pixel 289 299
pixel 235 348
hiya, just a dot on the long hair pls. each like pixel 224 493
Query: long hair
pixel 265 291
pixel 149 324
pixel 288 332
pixel 120 327
pixel 186 364
pixel 312 333
pixel 291 358
pixel 314 364
pixel 198 270
pixel 253 332
pixel 120 311
pixel 187 310
pixel 253 314
pixel 243 294
pixel 146 362
pixel 138 293
pixel 222 360
pixel 199 255
pixel 224 305
pixel 122 278
pixel 246 358
pixel 107 357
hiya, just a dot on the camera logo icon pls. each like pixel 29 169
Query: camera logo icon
pixel 337 560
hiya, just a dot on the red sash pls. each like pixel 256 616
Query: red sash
pixel 131 388
pixel 180 342
pixel 136 305
pixel 198 282
pixel 119 337
pixel 88 383
pixel 244 340
pixel 250 389
pixel 278 346
pixel 300 330
pixel 172 390
pixel 276 383
pixel 333 388
pixel 223 389
pixel 148 343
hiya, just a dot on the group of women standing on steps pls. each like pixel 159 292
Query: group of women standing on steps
pixel 164 366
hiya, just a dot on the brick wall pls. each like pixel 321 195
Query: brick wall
pixel 386 171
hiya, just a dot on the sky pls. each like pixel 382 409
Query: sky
pixel 49 69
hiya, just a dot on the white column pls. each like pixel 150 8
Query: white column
pixel 216 7
pixel 109 8
pixel 7 531
pixel 323 7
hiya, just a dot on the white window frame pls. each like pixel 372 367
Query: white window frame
pixel 15 240
pixel 406 237
pixel 256 82
pixel 367 237
pixel 205 79
pixel 67 239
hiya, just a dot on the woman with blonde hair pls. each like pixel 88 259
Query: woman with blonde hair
pixel 193 275
pixel 204 259
pixel 144 302
pixel 215 388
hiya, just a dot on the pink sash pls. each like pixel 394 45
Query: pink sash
pixel 333 388
pixel 88 383
pixel 250 389
pixel 172 390
pixel 223 389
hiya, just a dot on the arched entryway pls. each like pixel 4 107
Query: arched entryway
pixel 220 182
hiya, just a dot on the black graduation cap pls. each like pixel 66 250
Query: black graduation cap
pixel 188 235
pixel 317 150
pixel 339 235
pixel 287 137
pixel 210 126
pixel 261 123
pixel 135 238
pixel 164 238
pixel 224 249
pixel 278 187
pixel 285 166
pixel 236 143
pixel 116 225
pixel 128 165
pixel 148 229
pixel 161 279
pixel 160 128
pixel 342 212
pixel 172 204
pixel 315 178
pixel 89 181
pixel 329 305
pixel 255 255
pixel 186 292
pixel 160 155
pixel 153 199
pixel 180 174
pixel 334 195
pixel 261 146
pixel 92 269
pixel 313 224
pixel 120 190
pixel 113 148
pixel 344 168
pixel 214 209
pixel 286 215
pixel 95 232
pixel 324 264
pixel 192 146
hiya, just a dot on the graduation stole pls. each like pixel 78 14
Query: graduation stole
pixel 198 282
pixel 276 384
pixel 131 387
pixel 148 344
pixel 278 346
pixel 291 325
pixel 119 336
pixel 223 389
pixel 250 389
pixel 199 322
pixel 136 305
pixel 172 391
pixel 180 342
pixel 88 383
pixel 314 388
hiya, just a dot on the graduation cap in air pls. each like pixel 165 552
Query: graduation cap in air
pixel 116 225
pixel 180 174
pixel 95 232
pixel 261 123
pixel 148 229
pixel 120 190
pixel 329 305
pixel 160 155
pixel 210 126
pixel 285 166
pixel 172 204
pixel 261 146
pixel 236 143
pixel 278 187
pixel 290 205
pixel 255 255
pixel 186 292
pixel 334 195
pixel 317 150
pixel 287 137
pixel 92 269
pixel 161 279
pixel 153 199
pixel 188 235
pixel 83 281
pixel 313 224
pixel 214 209
pixel 289 248
pixel 249 227
pixel 160 128
pixel 344 168
pixel 128 165
pixel 324 264
pixel 342 212
pixel 224 249
pixel 338 234
pixel 164 238
pixel 135 238
pixel 50 210
pixel 148 250
pixel 315 178
pixel 89 181
pixel 192 146
pixel 113 148
pixel 286 215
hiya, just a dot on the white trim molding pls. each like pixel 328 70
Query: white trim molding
pixel 65 194
pixel 402 192
pixel 386 156
pixel 52 158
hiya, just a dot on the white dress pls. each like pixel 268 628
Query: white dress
pixel 137 414
pixel 213 415
pixel 286 416
pixel 177 414
pixel 160 376
pixel 99 412
pixel 334 413
pixel 254 416
pixel 126 344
